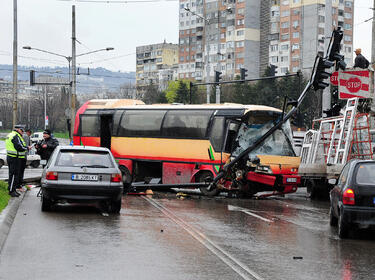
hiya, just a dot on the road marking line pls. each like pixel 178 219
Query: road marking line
pixel 240 268
pixel 248 212
pixel 257 216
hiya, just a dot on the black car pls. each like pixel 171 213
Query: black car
pixel 353 197
pixel 82 174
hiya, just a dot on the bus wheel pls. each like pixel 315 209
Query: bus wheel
pixel 207 176
pixel 126 178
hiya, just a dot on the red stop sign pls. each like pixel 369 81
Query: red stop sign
pixel 354 84
pixel 334 78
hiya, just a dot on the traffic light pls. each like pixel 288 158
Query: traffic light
pixel 32 77
pixel 243 73
pixel 297 119
pixel 321 75
pixel 217 76
pixel 334 111
pixel 273 70
pixel 334 49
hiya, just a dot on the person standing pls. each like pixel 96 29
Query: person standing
pixel 46 147
pixel 360 61
pixel 16 150
pixel 26 137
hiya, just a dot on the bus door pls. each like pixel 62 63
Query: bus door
pixel 230 135
pixel 106 123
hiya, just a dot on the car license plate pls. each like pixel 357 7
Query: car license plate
pixel 43 162
pixel 291 180
pixel 374 200
pixel 84 177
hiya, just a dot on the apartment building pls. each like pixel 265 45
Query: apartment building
pixel 218 35
pixel 226 35
pixel 299 29
pixel 156 64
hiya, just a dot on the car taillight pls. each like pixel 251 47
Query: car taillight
pixel 116 178
pixel 51 176
pixel 348 197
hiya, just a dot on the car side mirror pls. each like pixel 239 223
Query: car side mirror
pixel 332 181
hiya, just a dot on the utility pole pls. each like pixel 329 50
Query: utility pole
pixel 373 51
pixel 207 62
pixel 326 93
pixel 15 63
pixel 73 94
pixel 45 107
pixel 373 35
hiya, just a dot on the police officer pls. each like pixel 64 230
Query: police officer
pixel 16 152
pixel 26 137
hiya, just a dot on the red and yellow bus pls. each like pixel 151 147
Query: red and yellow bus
pixel 182 144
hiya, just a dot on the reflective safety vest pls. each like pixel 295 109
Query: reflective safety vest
pixel 11 150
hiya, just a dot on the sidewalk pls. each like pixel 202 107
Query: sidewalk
pixel 7 217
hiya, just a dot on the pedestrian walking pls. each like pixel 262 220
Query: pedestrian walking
pixel 360 61
pixel 27 138
pixel 16 152
pixel 46 147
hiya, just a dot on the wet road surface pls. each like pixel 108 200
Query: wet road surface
pixel 161 237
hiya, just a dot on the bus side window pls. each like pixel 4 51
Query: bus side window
pixel 116 121
pixel 141 123
pixel 217 133
pixel 90 125
pixel 190 124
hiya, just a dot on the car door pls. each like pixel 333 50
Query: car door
pixel 364 184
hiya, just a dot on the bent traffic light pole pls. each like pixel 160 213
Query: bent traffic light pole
pixel 260 140
pixel 316 80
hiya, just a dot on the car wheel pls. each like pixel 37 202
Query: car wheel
pixel 126 178
pixel 1 163
pixel 332 218
pixel 46 204
pixel 342 226
pixel 35 164
pixel 116 206
pixel 207 176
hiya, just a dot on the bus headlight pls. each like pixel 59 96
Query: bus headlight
pixel 264 168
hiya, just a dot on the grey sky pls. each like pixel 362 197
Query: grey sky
pixel 46 24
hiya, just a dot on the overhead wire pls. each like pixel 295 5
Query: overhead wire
pixel 117 2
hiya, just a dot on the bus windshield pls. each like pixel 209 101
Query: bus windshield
pixel 256 124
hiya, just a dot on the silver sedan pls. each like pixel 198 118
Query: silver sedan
pixel 82 174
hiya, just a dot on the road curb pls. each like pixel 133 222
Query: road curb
pixel 26 180
pixel 7 217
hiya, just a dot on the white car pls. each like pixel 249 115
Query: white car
pixel 37 136
pixel 32 159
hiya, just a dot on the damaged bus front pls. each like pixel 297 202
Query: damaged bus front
pixel 271 167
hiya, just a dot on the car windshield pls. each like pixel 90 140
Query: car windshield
pixel 84 159
pixel 256 124
pixel 366 174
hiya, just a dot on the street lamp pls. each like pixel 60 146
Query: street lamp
pixel 69 59
pixel 207 56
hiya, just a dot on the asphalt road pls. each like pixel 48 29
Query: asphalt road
pixel 162 237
